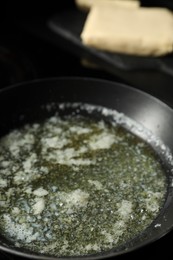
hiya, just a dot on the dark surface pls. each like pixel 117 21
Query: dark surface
pixel 38 53
pixel 68 26
pixel 55 56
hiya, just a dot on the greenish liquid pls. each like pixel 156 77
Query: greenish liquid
pixel 74 186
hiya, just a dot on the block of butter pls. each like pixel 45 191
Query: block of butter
pixel 87 4
pixel 138 31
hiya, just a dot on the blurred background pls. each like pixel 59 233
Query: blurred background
pixel 30 49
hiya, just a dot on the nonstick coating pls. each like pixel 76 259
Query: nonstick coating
pixel 24 103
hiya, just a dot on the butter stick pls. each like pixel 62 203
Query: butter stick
pixel 139 31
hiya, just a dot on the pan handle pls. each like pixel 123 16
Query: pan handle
pixel 166 65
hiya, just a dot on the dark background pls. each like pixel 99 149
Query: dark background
pixel 34 56
pixel 28 51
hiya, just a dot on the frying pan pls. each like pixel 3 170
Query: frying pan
pixel 25 102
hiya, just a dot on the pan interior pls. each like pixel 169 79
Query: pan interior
pixel 97 199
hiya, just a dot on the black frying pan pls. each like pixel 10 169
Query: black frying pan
pixel 24 103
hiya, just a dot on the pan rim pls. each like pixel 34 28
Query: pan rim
pixel 80 78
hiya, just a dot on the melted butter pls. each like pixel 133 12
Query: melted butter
pixel 73 186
